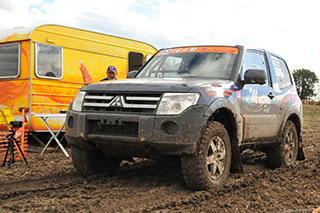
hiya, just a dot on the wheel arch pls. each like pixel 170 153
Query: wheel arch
pixel 294 117
pixel 297 122
pixel 224 112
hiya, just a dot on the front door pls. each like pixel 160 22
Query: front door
pixel 258 106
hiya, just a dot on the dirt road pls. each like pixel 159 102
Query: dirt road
pixel 51 184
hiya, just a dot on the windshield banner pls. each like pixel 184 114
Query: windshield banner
pixel 203 49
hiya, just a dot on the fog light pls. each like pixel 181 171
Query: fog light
pixel 169 127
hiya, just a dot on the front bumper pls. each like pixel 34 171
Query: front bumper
pixel 137 135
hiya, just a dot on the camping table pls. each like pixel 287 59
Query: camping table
pixel 54 136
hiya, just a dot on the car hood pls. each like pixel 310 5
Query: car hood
pixel 157 84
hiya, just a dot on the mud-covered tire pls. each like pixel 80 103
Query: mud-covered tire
pixel 210 166
pixel 286 151
pixel 172 161
pixel 89 162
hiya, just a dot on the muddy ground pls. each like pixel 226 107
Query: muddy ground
pixel 51 184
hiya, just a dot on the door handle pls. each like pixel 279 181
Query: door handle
pixel 270 95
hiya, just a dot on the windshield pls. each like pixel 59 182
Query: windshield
pixel 9 60
pixel 197 62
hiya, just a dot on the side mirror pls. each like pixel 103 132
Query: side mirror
pixel 255 76
pixel 132 73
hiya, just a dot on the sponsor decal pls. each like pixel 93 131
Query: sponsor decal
pixel 255 103
pixel 219 92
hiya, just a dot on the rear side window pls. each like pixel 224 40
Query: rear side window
pixel 48 61
pixel 281 72
pixel 9 60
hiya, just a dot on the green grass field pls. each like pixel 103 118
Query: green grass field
pixel 311 112
pixel 311 115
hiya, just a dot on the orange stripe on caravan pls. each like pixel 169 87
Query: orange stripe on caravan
pixel 10 37
pixel 23 51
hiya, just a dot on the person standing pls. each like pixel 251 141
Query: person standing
pixel 111 73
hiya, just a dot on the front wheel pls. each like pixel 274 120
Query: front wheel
pixel 285 152
pixel 211 165
pixel 88 162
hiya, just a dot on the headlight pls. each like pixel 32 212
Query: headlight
pixel 175 103
pixel 77 102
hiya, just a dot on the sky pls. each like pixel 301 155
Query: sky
pixel 289 28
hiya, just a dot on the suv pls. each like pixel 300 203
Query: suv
pixel 204 104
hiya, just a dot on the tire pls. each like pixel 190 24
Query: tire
pixel 88 162
pixel 286 151
pixel 209 167
pixel 172 161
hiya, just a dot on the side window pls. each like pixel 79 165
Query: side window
pixel 281 72
pixel 135 60
pixel 48 61
pixel 9 60
pixel 254 60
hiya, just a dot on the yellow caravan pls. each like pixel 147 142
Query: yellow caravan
pixel 42 68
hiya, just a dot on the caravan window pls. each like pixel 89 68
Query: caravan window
pixel 135 60
pixel 48 61
pixel 9 60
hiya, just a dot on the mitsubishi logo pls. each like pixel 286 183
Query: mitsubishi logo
pixel 116 102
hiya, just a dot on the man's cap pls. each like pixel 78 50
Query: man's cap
pixel 112 68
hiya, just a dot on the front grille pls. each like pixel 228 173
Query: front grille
pixel 124 102
pixel 129 129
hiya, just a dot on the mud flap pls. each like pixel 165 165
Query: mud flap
pixel 300 155
pixel 236 164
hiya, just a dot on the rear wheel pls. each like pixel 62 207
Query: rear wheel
pixel 285 152
pixel 88 162
pixel 211 165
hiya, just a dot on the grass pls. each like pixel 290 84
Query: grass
pixel 311 112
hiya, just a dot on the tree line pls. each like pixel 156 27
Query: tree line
pixel 305 82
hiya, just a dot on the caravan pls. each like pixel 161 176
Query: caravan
pixel 43 68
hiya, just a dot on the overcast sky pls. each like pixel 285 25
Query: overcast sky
pixel 289 28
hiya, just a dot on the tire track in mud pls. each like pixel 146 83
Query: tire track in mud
pixel 143 200
pixel 161 197
pixel 254 184
pixel 46 184
pixel 33 186
pixel 135 182
pixel 195 199
pixel 65 193
pixel 145 184
pixel 150 187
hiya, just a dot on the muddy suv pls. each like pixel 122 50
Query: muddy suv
pixel 203 104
